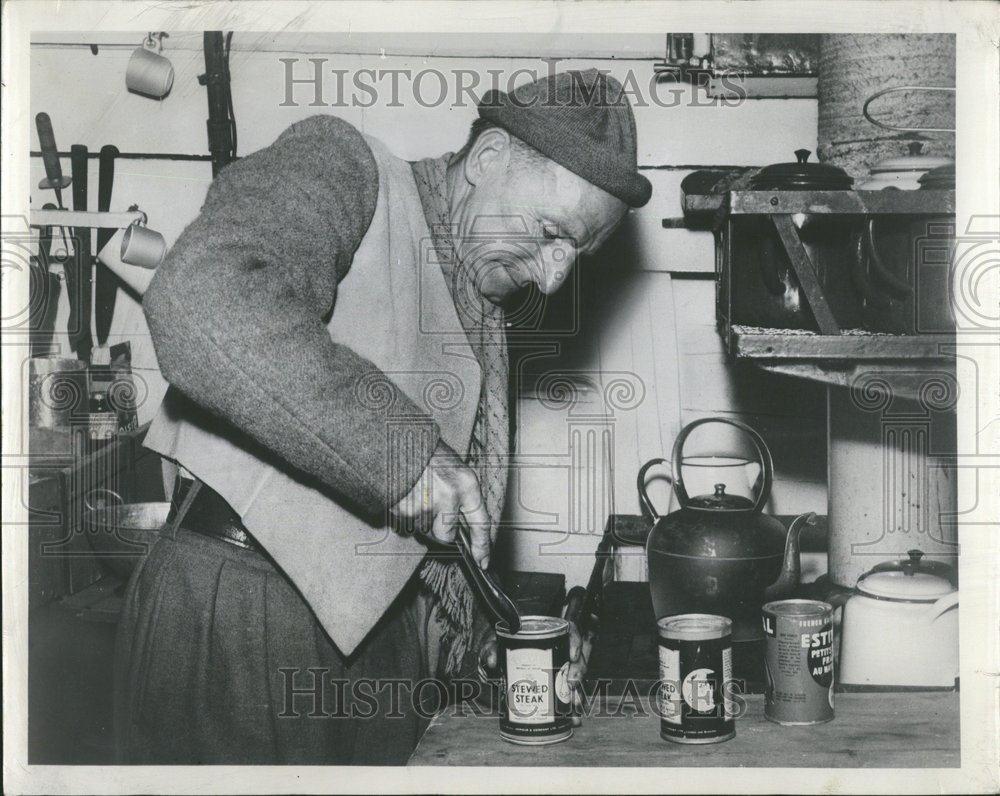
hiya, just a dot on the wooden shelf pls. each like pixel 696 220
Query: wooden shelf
pixel 754 343
pixel 864 203
pixel 830 287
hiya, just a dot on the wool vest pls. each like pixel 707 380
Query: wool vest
pixel 394 308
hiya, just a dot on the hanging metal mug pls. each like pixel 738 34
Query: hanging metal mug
pixel 148 72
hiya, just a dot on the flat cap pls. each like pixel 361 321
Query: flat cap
pixel 581 120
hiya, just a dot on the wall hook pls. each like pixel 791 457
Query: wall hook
pixel 154 40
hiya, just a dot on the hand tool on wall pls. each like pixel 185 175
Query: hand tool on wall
pixel 78 270
pixel 44 298
pixel 54 178
pixel 106 283
pixel 221 119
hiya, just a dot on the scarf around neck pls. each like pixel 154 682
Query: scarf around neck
pixel 488 452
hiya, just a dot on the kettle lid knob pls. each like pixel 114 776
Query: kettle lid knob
pixel 802 155
pixel 911 566
pixel 720 490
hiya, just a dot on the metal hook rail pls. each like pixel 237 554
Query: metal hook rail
pixel 86 218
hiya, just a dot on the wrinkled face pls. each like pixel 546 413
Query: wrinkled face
pixel 523 219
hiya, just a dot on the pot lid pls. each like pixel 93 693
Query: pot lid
pixel 694 627
pixel 802 176
pixel 915 161
pixel 720 501
pixel 908 580
pixel 941 178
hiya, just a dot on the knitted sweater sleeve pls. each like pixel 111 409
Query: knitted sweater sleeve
pixel 238 310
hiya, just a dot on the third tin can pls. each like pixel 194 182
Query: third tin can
pixel 798 661
pixel 696 653
pixel 536 697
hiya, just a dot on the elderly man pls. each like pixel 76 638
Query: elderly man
pixel 332 328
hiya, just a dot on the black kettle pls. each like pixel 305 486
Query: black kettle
pixel 719 553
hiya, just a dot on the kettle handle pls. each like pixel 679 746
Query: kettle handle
pixel 942 605
pixel 765 479
pixel 640 483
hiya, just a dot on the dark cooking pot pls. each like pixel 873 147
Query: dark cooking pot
pixel 903 293
pixel 902 267
pixel 120 533
pixel 934 250
pixel 720 554
pixel 801 175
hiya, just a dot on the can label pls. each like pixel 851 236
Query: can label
pixel 536 696
pixel 529 691
pixel 670 676
pixel 798 661
pixel 103 425
pixel 694 700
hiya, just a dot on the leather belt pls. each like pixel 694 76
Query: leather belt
pixel 210 515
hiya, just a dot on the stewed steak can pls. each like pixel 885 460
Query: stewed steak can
pixel 535 695
pixel 798 661
pixel 696 659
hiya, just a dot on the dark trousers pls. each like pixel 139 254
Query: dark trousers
pixel 206 632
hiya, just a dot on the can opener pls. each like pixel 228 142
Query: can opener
pixel 486 582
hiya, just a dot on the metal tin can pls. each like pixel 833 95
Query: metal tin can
pixel 798 661
pixel 696 654
pixel 536 697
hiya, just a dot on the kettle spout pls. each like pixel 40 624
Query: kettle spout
pixel 791 565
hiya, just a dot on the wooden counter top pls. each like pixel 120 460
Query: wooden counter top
pixel 904 730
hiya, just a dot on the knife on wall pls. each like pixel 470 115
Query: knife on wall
pixel 106 283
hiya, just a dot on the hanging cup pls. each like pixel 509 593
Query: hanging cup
pixel 149 73
pixel 137 275
pixel 142 246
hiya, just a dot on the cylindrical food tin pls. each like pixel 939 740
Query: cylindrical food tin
pixel 536 697
pixel 798 661
pixel 695 701
pixel 57 392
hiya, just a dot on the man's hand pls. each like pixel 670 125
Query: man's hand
pixel 446 490
pixel 577 666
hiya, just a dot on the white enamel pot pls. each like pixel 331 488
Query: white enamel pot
pixel 900 627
